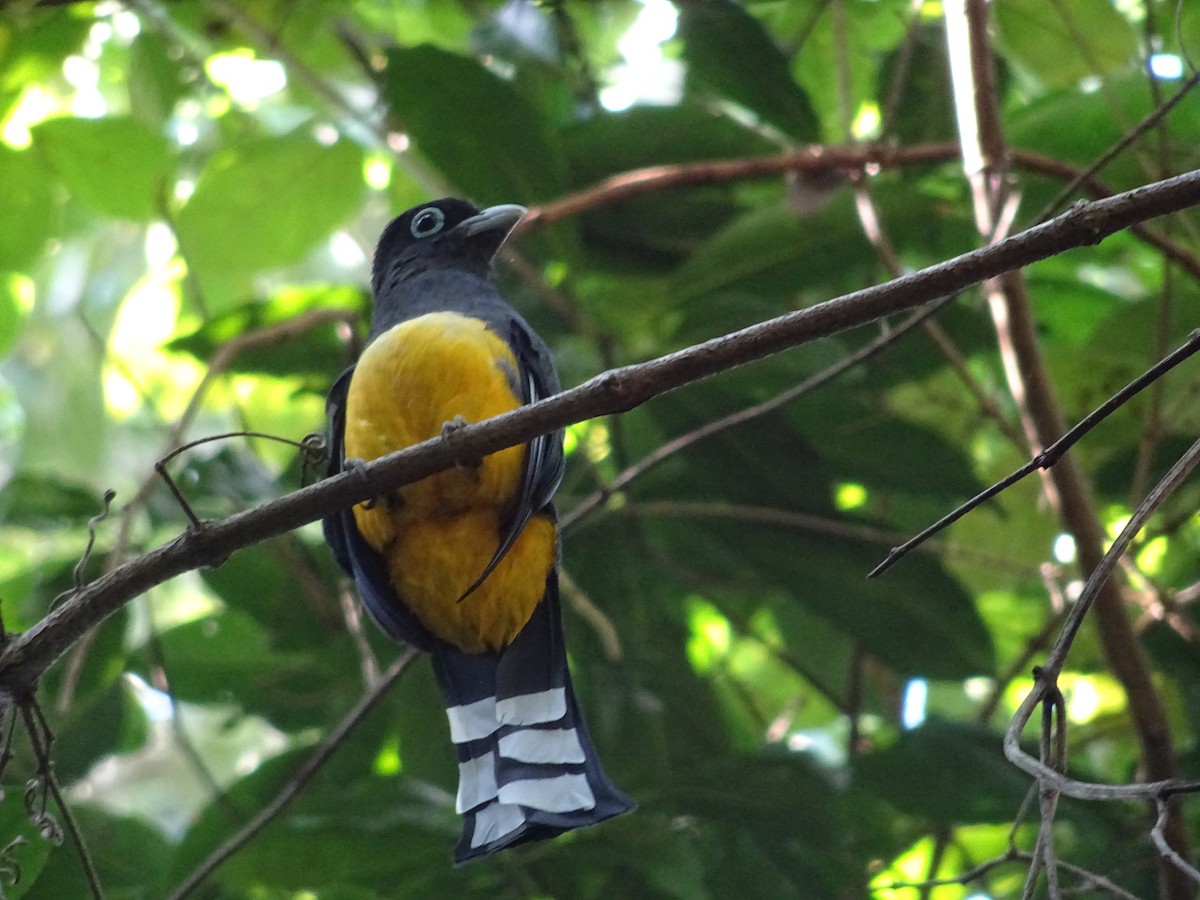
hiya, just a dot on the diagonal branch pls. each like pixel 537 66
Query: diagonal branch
pixel 26 657
pixel 300 778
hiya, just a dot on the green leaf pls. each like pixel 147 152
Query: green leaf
pixel 266 202
pixel 100 668
pixel 730 53
pixel 769 250
pixel 156 79
pixel 921 462
pixel 230 658
pixel 315 352
pixel 784 561
pixel 40 500
pixel 837 61
pixel 1061 44
pixel 484 136
pixel 924 110
pixel 946 772
pixel 117 165
pixel 16 296
pixel 608 143
pixel 26 197
pixel 1077 127
pixel 259 584
pixel 350 826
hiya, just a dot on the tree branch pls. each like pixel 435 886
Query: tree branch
pixel 28 656
pixel 820 158
pixel 985 161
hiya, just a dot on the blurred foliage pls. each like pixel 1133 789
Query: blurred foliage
pixel 177 177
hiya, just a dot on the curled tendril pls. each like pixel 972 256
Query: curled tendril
pixel 95 520
pixel 35 808
pixel 314 450
pixel 49 829
pixel 35 796
pixel 77 574
pixel 10 868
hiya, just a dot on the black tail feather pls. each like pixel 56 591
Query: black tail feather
pixel 527 767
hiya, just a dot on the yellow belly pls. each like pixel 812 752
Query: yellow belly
pixel 439 534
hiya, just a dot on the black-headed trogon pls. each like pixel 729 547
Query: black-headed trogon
pixel 463 564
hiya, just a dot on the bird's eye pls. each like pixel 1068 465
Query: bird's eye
pixel 428 221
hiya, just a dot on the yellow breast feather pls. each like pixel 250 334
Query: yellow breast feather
pixel 437 535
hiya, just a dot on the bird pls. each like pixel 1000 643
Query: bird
pixel 464 564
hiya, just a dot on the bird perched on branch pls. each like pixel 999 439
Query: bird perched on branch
pixel 463 563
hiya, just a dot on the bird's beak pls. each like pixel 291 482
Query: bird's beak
pixel 502 219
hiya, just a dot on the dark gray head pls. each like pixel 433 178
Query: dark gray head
pixel 446 233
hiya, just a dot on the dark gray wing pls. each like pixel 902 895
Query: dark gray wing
pixel 544 459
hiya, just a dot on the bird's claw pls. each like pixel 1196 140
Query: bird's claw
pixel 449 430
pixel 393 500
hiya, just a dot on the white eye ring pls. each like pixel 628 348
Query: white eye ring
pixel 428 221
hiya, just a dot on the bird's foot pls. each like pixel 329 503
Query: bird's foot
pixel 391 500
pixel 449 430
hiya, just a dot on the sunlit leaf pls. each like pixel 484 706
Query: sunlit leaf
pixel 118 166
pixel 266 202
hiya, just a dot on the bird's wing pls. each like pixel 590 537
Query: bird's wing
pixel 544 459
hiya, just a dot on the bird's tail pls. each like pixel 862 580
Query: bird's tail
pixel 526 767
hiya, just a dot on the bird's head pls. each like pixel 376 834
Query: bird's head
pixel 442 234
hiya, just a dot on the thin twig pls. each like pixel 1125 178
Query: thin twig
pixel 822 159
pixel 303 775
pixel 740 417
pixel 1051 454
pixel 41 738
pixel 1158 835
pixel 1150 121
pixel 587 610
pixel 306 446
pixel 1012 856
pixel 1057 656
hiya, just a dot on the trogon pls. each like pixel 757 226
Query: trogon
pixel 463 563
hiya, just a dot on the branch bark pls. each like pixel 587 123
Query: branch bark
pixel 819 158
pixel 26 657
pixel 985 160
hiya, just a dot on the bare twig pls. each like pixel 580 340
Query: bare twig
pixel 1013 856
pixel 822 159
pixel 1052 454
pixel 1150 121
pixel 587 610
pixel 742 416
pixel 307 447
pixel 41 738
pixel 1044 683
pixel 320 755
pixel 352 615
pixel 985 159
pixel 1158 835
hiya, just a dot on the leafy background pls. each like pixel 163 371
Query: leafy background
pixel 189 194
